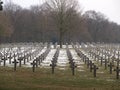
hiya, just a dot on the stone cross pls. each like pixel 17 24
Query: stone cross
pixel 37 61
pixel 24 59
pixel 40 59
pixel 53 65
pixel 88 63
pixel 106 63
pixel 4 61
pixel 110 65
pixel 84 59
pixel 118 61
pixel 34 64
pixel 91 66
pixel 113 59
pixel 15 64
pixel 10 57
pixel 101 61
pixel 94 70
pixel 20 59
pixel 73 66
pixel 117 72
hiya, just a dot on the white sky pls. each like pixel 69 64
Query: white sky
pixel 110 8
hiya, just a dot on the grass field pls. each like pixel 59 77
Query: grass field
pixel 42 79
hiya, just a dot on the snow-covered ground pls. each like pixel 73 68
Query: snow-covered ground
pixel 36 51
pixel 48 59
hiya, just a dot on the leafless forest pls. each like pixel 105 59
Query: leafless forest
pixel 56 21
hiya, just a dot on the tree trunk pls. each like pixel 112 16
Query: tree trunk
pixel 60 39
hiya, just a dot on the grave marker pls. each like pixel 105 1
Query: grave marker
pixel 10 57
pixel 91 66
pixel 4 61
pixel 73 66
pixel 20 59
pixel 110 65
pixel 53 65
pixel 117 72
pixel 94 70
pixel 33 64
pixel 15 64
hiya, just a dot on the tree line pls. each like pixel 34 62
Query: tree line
pixel 56 21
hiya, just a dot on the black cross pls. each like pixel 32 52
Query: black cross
pixel 88 63
pixel 4 61
pixel 34 64
pixel 94 70
pixel 20 59
pixel 10 57
pixel 110 65
pixel 113 59
pixel 73 66
pixel 24 59
pixel 40 59
pixel 106 63
pixel 118 61
pixel 37 61
pixel 15 64
pixel 117 72
pixel 91 66
pixel 53 65
pixel 84 59
pixel 101 60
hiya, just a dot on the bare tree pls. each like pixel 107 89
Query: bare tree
pixel 6 28
pixel 62 11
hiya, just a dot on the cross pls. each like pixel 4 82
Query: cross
pixel 94 70
pixel 37 60
pixel 110 65
pixel 4 60
pixel 20 60
pixel 101 60
pixel 113 59
pixel 91 65
pixel 96 57
pixel 106 63
pixel 10 57
pixel 55 59
pixel 84 59
pixel 40 59
pixel 15 64
pixel 24 58
pixel 34 64
pixel 73 66
pixel 53 65
pixel 88 63
pixel 118 61
pixel 117 72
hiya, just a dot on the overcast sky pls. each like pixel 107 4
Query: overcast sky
pixel 110 8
